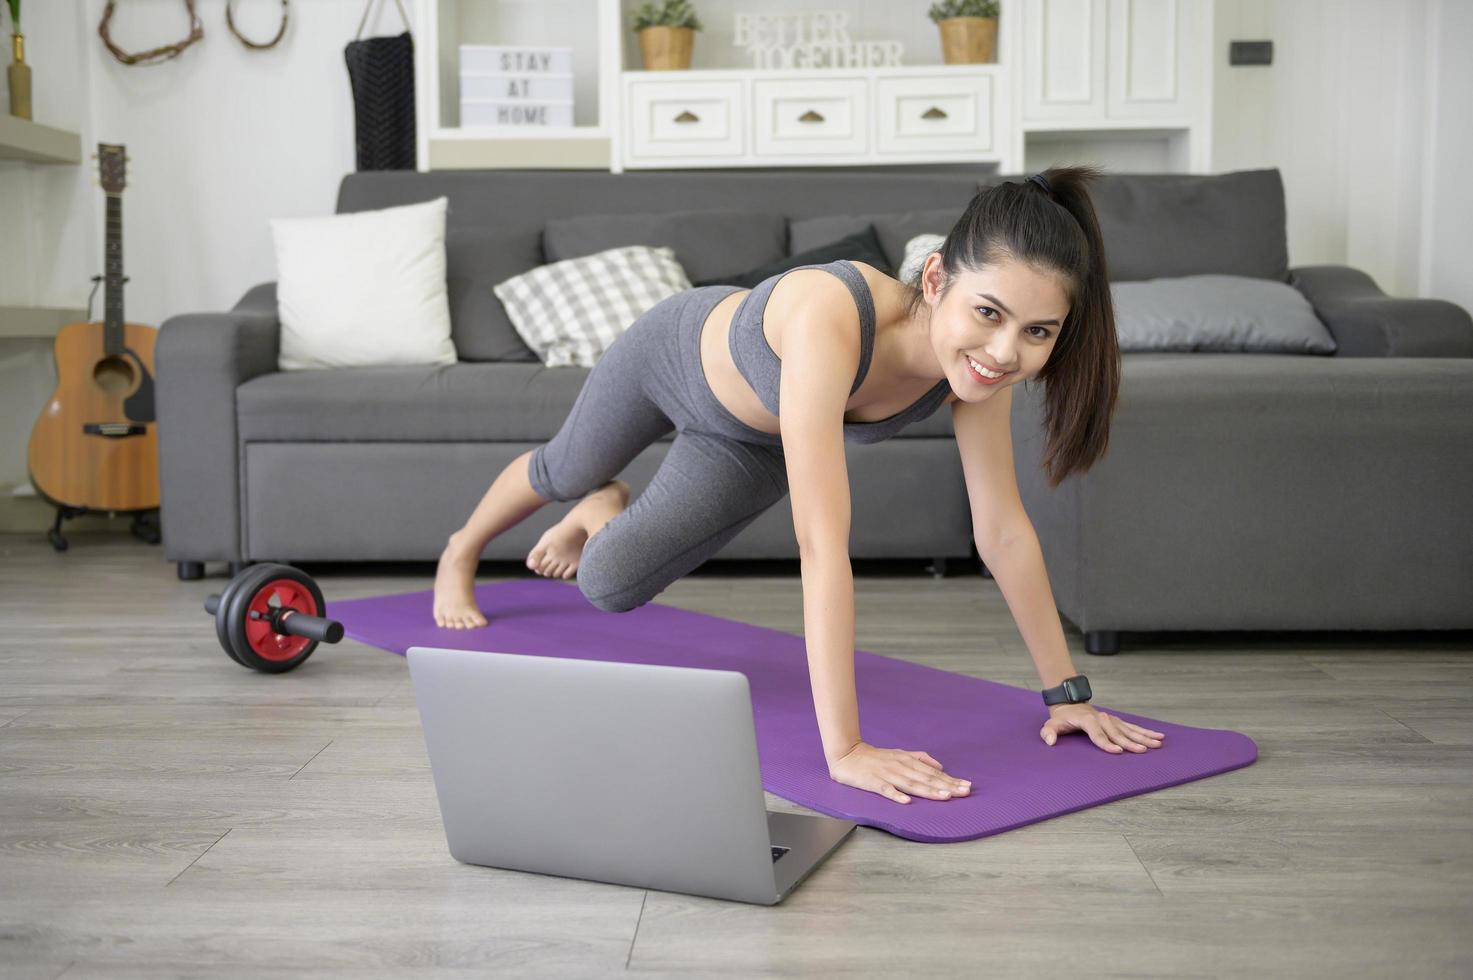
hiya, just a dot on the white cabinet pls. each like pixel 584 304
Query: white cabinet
pixel 695 119
pixel 744 118
pixel 1094 62
pixel 934 113
pixel 1071 74
pixel 805 116
pixel 1063 59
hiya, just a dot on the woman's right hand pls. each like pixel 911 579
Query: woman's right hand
pixel 893 773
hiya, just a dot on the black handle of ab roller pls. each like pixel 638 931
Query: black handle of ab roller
pixel 293 623
pixel 316 628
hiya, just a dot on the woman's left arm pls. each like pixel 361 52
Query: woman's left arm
pixel 1017 567
pixel 1009 547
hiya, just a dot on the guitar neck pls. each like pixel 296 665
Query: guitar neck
pixel 112 325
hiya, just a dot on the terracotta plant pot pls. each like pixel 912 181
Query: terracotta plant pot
pixel 666 48
pixel 968 40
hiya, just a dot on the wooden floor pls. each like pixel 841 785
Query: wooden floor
pixel 164 812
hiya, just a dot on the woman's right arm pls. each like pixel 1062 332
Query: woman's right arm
pixel 819 359
pixel 820 356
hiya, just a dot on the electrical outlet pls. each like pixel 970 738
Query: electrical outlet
pixel 1250 52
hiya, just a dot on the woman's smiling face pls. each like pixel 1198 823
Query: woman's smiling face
pixel 1006 316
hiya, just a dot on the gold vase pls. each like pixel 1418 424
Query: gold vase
pixel 968 40
pixel 666 48
pixel 19 74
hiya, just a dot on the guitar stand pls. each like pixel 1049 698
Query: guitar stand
pixel 145 526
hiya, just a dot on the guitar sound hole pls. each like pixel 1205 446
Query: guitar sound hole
pixel 113 375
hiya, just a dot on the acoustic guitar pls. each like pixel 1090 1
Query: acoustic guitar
pixel 95 446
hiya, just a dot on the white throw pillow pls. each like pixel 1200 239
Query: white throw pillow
pixel 569 312
pixel 916 251
pixel 363 288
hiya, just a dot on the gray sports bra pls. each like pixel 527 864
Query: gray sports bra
pixel 762 368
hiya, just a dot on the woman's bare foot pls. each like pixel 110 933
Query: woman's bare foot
pixel 455 579
pixel 556 553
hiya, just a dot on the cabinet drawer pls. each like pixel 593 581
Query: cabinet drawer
pixel 684 119
pixel 951 112
pixel 810 116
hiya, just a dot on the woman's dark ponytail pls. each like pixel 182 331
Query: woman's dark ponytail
pixel 1082 375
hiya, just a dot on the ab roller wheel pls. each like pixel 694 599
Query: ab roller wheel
pixel 270 618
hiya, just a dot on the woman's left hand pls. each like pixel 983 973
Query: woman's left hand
pixel 1107 731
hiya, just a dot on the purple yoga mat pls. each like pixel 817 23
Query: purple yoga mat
pixel 977 729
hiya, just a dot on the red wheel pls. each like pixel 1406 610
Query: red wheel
pixel 279 593
pixel 264 590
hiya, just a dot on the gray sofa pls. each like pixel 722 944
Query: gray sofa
pixel 1241 491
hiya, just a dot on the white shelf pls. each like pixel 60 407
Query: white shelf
pixel 472 133
pixel 1128 76
pixel 22 139
pixel 35 321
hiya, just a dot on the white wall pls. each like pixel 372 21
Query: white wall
pixel 219 139
pixel 1447 207
pixel 1369 132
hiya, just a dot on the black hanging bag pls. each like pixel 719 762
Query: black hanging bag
pixel 381 70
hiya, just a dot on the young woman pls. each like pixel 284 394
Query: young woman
pixel 1017 291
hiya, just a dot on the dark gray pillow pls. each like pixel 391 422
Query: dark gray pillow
pixel 708 244
pixel 477 259
pixel 1217 313
pixel 894 228
pixel 1162 225
pixel 860 247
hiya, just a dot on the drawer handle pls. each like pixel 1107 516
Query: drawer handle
pixel 810 116
pixel 934 113
pixel 687 117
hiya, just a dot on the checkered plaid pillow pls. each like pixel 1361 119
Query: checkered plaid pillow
pixel 569 312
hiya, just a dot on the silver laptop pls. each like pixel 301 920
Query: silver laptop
pixel 632 774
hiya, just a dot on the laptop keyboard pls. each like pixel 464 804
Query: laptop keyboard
pixel 778 852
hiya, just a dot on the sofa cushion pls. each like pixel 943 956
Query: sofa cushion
pixel 708 244
pixel 466 402
pixel 1154 225
pixel 476 259
pixel 1217 313
pixel 894 228
pixel 863 246
pixel 1159 225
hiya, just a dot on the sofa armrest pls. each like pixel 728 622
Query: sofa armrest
pixel 200 359
pixel 1367 323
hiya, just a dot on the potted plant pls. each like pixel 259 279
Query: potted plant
pixel 19 73
pixel 666 34
pixel 968 30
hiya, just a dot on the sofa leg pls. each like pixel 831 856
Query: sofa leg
pixel 1102 641
pixel 236 567
pixel 191 570
pixel 937 568
pixel 984 570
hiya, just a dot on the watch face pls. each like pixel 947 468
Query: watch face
pixel 1078 689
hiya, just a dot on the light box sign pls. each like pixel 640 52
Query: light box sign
pixel 515 85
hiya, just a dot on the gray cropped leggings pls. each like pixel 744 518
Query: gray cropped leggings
pixel 718 475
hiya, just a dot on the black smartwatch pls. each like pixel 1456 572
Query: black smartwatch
pixel 1074 690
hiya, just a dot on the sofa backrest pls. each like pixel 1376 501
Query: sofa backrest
pixel 1154 225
